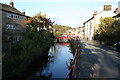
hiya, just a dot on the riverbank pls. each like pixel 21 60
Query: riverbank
pixel 35 45
pixel 54 65
pixel 73 45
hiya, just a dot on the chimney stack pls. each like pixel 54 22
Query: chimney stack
pixel 11 3
pixel 107 8
pixel 23 11
pixel 95 13
pixel 116 11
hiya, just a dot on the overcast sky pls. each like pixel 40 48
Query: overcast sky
pixel 65 12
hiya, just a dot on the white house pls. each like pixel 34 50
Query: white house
pixel 92 25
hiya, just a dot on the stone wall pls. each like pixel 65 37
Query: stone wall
pixel 9 34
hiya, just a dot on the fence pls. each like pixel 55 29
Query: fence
pixel 75 65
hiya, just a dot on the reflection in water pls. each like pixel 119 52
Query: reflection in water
pixel 64 44
pixel 36 65
pixel 56 66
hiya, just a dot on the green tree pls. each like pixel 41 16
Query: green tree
pixel 60 29
pixel 106 25
pixel 108 31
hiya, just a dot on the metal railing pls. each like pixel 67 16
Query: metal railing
pixel 75 60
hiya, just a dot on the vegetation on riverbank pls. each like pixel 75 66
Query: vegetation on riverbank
pixel 34 45
pixel 108 32
pixel 74 45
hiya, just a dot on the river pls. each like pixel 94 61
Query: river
pixel 55 66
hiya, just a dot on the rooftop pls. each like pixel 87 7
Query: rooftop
pixel 8 8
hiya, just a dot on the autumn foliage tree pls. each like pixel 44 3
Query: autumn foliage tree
pixel 39 22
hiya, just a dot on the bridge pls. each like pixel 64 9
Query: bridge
pixel 63 38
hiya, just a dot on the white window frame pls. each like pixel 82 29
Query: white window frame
pixel 12 16
pixel 8 15
pixel 9 37
pixel 13 27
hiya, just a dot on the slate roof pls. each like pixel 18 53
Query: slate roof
pixel 118 15
pixel 8 8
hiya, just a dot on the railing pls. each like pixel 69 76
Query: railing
pixel 68 75
pixel 75 60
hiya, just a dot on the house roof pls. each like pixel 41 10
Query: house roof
pixel 88 20
pixel 96 15
pixel 118 15
pixel 8 8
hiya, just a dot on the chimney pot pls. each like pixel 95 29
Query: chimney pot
pixel 11 3
pixel 23 11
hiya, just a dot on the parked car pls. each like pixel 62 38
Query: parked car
pixel 117 46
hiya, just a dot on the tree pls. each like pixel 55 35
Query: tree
pixel 60 29
pixel 108 30
pixel 106 25
pixel 39 22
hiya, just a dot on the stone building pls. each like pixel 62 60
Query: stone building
pixel 13 24
pixel 92 24
pixel 80 31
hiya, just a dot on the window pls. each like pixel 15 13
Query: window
pixel 13 27
pixel 19 27
pixel 16 17
pixel 7 26
pixel 14 38
pixel 12 16
pixel 18 38
pixel 8 15
pixel 9 37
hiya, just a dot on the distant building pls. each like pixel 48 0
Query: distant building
pixel 81 32
pixel 13 24
pixel 92 25
pixel 75 32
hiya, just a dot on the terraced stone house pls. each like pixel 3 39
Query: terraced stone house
pixel 13 25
